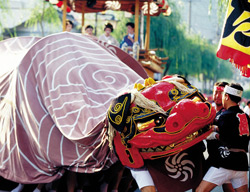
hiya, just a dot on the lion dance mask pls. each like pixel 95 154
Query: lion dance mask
pixel 158 119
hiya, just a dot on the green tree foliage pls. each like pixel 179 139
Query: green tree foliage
pixel 222 5
pixel 246 94
pixel 121 29
pixel 188 54
pixel 2 8
pixel 4 13
pixel 221 9
pixel 43 12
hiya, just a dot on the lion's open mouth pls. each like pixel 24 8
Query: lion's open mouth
pixel 188 139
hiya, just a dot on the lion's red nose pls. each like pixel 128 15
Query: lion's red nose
pixel 202 109
pixel 185 111
pixel 175 124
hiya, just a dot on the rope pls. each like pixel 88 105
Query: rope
pixel 144 102
pixel 179 85
pixel 111 135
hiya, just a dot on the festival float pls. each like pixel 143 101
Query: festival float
pixel 94 105
pixel 145 56
pixel 86 109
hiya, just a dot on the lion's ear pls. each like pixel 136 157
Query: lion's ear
pixel 118 111
pixel 185 80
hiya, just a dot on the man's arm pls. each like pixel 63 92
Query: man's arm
pixel 143 179
pixel 148 189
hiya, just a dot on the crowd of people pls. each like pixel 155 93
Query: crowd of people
pixel 126 43
pixel 227 146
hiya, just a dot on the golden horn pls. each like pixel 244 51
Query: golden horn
pixel 149 81
pixel 139 86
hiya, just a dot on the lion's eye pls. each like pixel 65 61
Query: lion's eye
pixel 159 120
pixel 155 121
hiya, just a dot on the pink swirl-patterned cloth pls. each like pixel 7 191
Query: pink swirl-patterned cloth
pixel 55 92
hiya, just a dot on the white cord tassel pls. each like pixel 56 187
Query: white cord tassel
pixel 180 86
pixel 144 102
pixel 111 135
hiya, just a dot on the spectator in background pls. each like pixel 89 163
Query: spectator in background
pixel 129 38
pixel 128 43
pixel 107 37
pixel 247 108
pixel 89 31
pixel 69 25
pixel 218 91
pixel 217 96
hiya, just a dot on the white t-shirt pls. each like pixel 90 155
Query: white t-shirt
pixel 246 110
pixel 110 40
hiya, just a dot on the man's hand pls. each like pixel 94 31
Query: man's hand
pixel 148 189
pixel 214 134
pixel 215 128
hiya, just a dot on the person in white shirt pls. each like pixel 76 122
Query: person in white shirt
pixel 247 108
pixel 88 30
pixel 107 37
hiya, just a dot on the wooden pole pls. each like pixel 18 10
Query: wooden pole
pixel 83 12
pixel 148 28
pixel 142 30
pixel 137 6
pixel 64 14
pixel 189 15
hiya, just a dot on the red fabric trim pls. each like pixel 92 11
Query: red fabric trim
pixel 243 126
pixel 219 88
pixel 60 4
pixel 238 57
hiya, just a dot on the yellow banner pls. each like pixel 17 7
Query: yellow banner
pixel 236 32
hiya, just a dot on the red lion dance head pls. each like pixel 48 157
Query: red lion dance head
pixel 159 119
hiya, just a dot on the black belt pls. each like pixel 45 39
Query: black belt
pixel 236 150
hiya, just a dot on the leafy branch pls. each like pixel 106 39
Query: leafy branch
pixel 43 12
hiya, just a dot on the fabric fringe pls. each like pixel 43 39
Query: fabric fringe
pixel 144 102
pixel 111 134
pixel 180 86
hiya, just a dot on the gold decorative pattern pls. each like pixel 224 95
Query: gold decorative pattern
pixel 119 108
